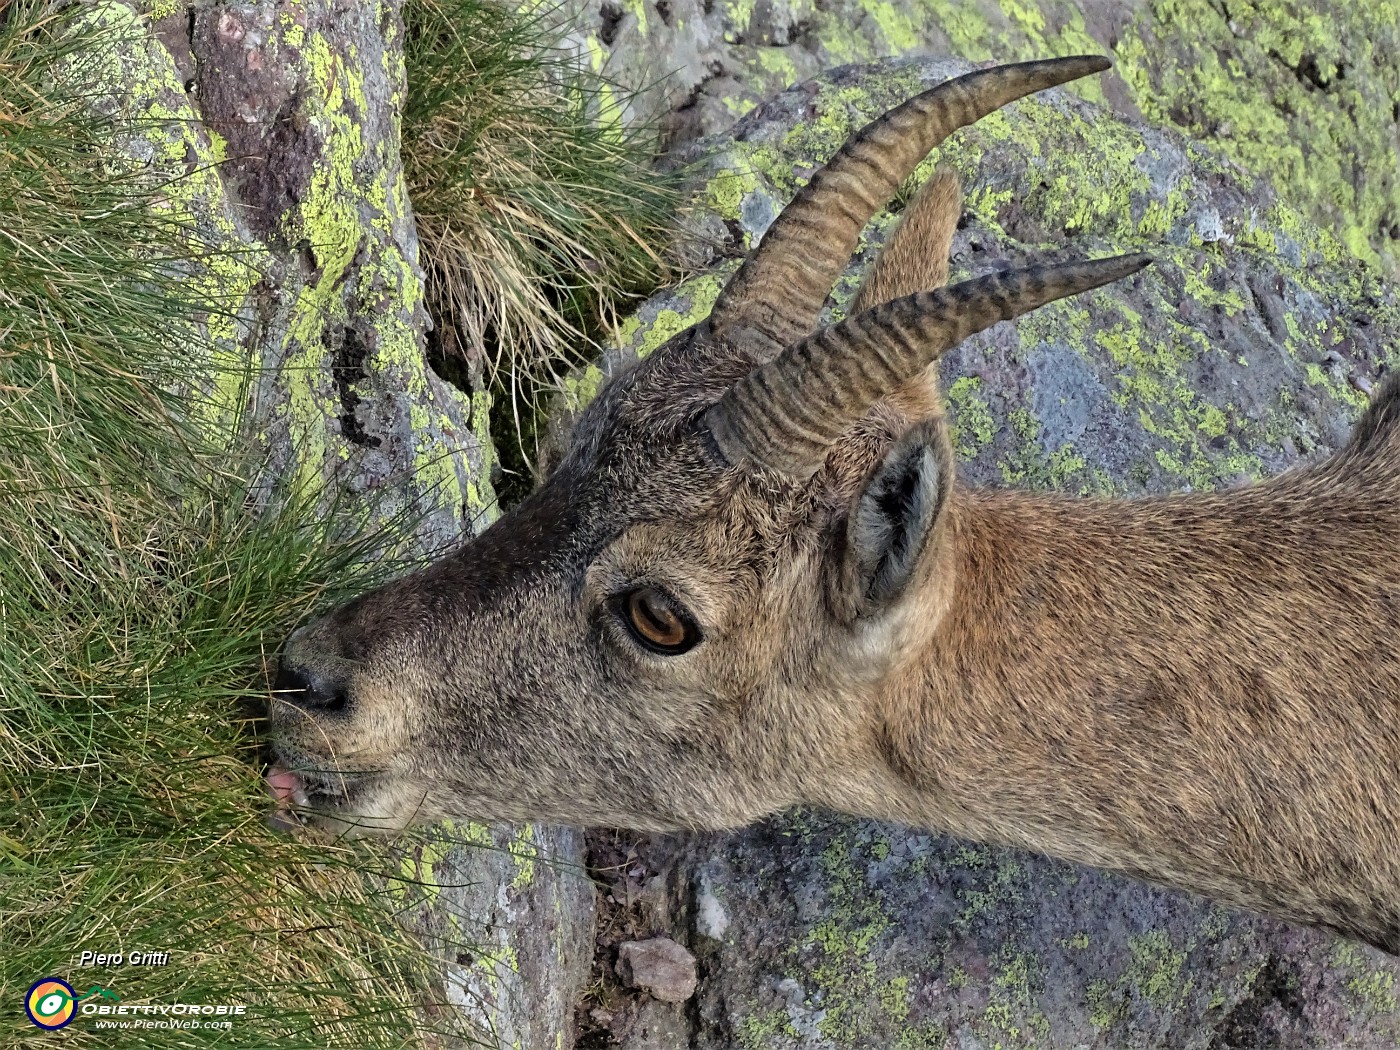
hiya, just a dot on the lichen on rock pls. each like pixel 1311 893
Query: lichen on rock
pixel 271 132
pixel 1305 94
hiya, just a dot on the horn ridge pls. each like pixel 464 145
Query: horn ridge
pixel 780 288
pixel 832 378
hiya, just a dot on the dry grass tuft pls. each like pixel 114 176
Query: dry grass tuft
pixel 540 215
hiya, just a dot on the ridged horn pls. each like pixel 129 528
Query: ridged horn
pixel 786 414
pixel 780 288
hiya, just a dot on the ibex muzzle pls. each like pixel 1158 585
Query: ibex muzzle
pixel 752 582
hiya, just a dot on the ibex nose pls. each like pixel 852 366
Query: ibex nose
pixel 307 687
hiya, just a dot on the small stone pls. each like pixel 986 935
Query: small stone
pixel 659 966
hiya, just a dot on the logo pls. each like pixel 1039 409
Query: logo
pixel 49 1003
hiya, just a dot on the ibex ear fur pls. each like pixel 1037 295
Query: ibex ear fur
pixel 895 515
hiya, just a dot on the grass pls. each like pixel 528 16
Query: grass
pixel 539 213
pixel 139 599
pixel 141 592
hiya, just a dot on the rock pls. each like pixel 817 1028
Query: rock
pixel 851 934
pixel 274 129
pixel 1302 93
pixel 1236 355
pixel 509 913
pixel 657 1026
pixel 659 966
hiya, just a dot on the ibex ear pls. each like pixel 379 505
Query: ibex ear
pixel 895 516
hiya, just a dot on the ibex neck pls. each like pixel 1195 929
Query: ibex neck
pixel 1197 690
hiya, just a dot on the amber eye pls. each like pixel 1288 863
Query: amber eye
pixel 658 621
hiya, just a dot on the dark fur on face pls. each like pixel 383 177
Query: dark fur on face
pixel 1201 690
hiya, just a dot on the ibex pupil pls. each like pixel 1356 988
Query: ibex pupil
pixel 655 621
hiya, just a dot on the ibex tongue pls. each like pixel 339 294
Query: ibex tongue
pixel 285 787
pixel 287 791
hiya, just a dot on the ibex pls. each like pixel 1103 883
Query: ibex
pixel 752 582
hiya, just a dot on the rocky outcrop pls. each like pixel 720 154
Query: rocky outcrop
pixel 1249 346
pixel 273 131
pixel 1305 94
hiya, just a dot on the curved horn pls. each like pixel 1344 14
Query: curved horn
pixel 786 413
pixel 781 286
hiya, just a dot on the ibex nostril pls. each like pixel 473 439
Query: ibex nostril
pixel 308 689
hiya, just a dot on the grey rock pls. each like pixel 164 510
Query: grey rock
pixel 314 256
pixel 658 1026
pixel 660 966
pixel 1301 93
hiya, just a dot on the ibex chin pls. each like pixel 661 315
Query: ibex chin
pixel 752 582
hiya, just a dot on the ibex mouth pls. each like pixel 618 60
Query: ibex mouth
pixel 298 793
pixel 290 795
pixel 286 787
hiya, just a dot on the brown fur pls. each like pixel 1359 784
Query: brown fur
pixel 1200 690
pixel 916 257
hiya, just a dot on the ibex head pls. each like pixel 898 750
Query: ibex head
pixel 752 582
pixel 743 530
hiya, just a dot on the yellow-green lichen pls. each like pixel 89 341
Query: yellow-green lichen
pixel 1107 1004
pixel 725 191
pixel 847 997
pixel 1155 969
pixel 1002 886
pixel 1267 87
pixel 417 880
pixel 1011 1017
pixel 338 202
pixel 758 1031
pixel 581 388
pixel 1367 985
pixel 159 124
pixel 524 851
pixel 973 425
pixel 642 336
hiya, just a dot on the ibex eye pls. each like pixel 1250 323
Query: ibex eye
pixel 658 622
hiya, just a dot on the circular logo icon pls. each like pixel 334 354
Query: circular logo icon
pixel 49 1003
